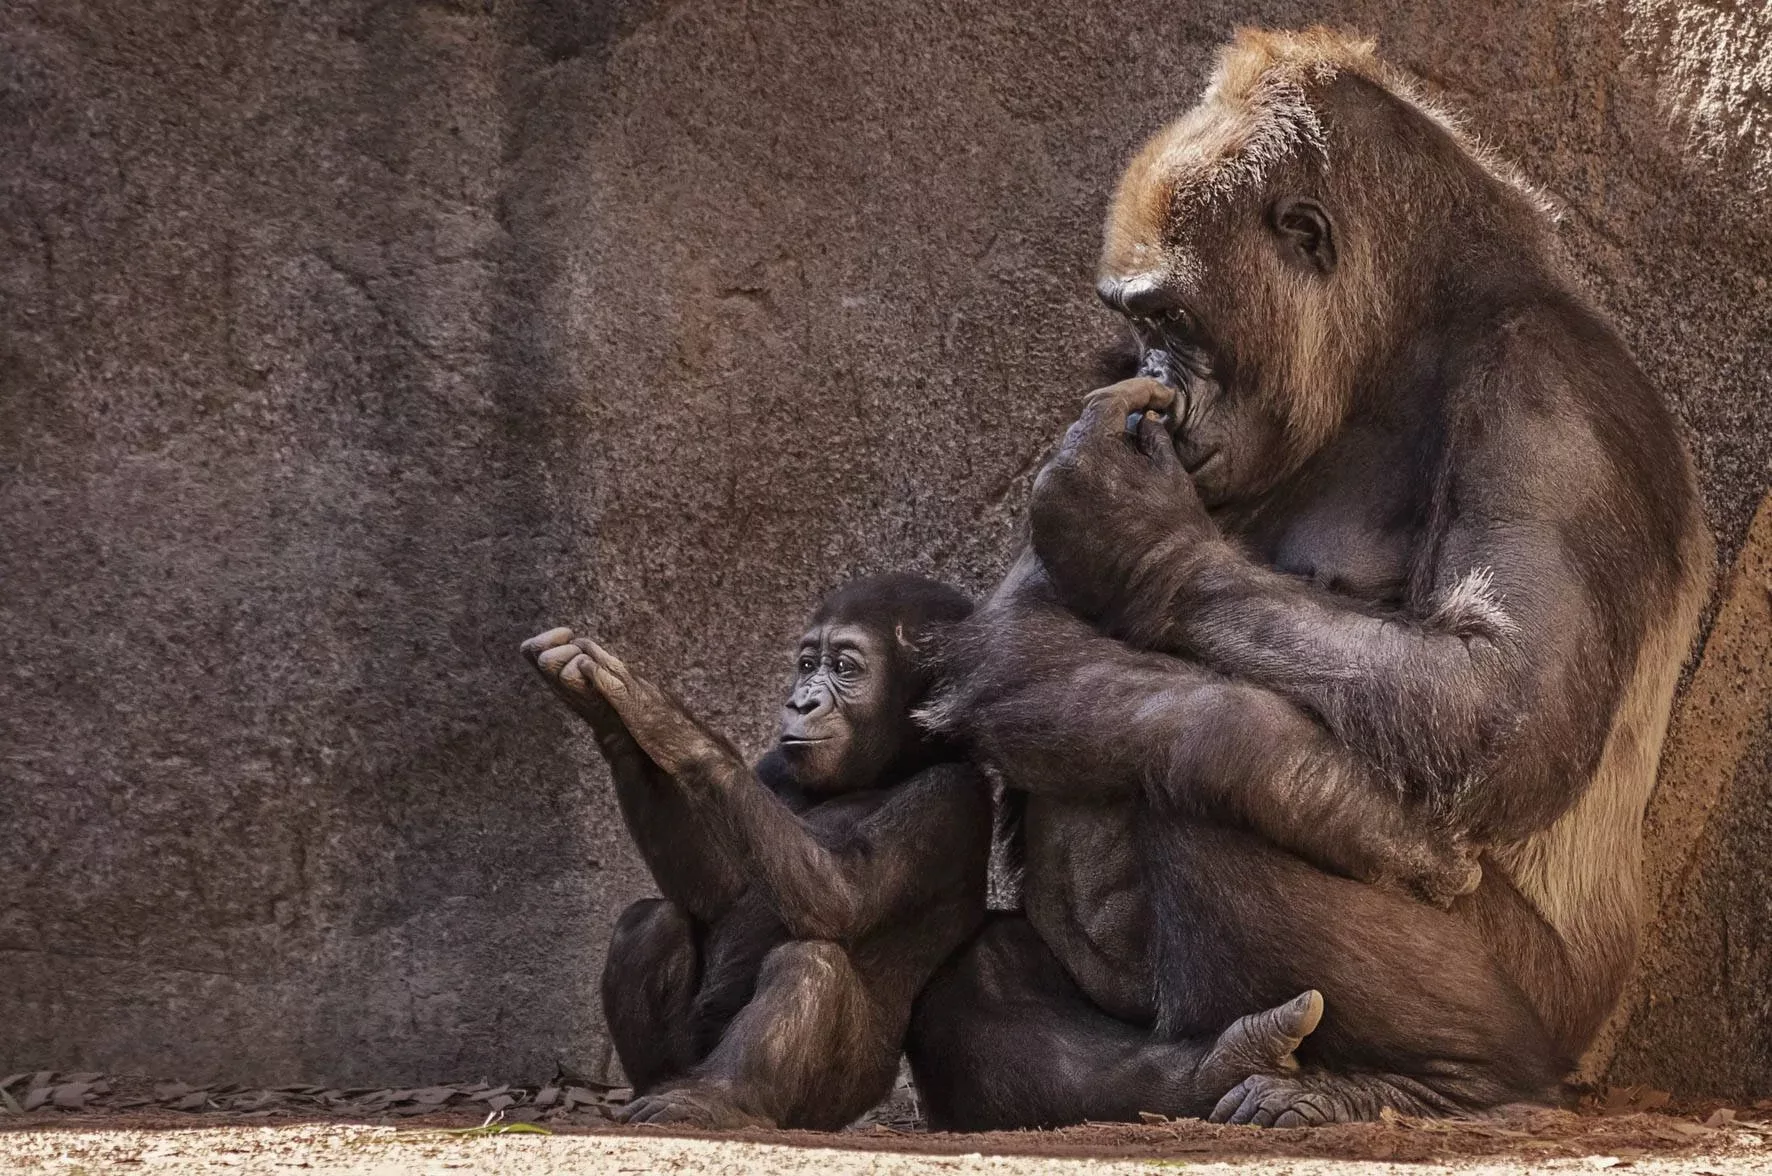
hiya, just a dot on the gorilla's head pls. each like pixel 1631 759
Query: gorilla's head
pixel 859 671
pixel 1274 246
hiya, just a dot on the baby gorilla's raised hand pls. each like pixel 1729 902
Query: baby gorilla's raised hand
pixel 558 660
pixel 658 722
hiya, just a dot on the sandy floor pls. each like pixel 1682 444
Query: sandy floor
pixel 64 1143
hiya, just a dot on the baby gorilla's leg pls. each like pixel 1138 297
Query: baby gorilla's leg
pixel 812 1049
pixel 650 976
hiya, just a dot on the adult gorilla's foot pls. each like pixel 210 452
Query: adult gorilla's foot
pixel 1317 1097
pixel 1260 1044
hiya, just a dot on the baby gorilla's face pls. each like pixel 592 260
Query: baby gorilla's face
pixel 840 724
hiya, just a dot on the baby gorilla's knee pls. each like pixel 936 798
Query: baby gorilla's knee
pixel 650 928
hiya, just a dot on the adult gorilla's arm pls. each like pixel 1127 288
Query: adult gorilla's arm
pixel 1060 709
pixel 1491 712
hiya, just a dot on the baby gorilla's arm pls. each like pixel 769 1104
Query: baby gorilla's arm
pixel 686 852
pixel 891 865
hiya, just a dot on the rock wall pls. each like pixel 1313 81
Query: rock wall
pixel 344 344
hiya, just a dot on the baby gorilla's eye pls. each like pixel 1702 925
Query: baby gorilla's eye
pixel 806 663
pixel 848 667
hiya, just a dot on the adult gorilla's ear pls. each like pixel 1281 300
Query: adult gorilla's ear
pixel 1305 232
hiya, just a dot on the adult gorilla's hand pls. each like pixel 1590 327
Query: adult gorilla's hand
pixel 1114 508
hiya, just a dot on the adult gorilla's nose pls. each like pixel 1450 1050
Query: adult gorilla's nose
pixel 1160 365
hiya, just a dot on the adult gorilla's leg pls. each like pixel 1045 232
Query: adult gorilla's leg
pixel 1420 1016
pixel 1003 1038
pixel 650 975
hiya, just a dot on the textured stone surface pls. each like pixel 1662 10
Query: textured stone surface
pixel 344 344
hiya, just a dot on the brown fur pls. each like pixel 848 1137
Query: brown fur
pixel 1437 539
pixel 1276 114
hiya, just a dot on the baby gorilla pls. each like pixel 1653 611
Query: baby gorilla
pixel 807 900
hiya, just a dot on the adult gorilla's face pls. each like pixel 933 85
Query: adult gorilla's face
pixel 1239 304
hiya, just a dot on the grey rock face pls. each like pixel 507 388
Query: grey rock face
pixel 345 344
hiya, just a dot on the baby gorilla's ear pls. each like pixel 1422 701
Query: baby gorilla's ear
pixel 918 654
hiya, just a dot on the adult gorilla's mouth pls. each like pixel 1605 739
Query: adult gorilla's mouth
pixel 1198 462
pixel 1160 364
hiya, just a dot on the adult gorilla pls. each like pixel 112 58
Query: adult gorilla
pixel 1349 672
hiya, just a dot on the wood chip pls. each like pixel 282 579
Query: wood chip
pixel 499 1102
pixel 36 1097
pixel 13 1079
pixel 1152 1117
pixel 192 1102
pixel 1720 1116
pixel 547 1096
pixel 167 1091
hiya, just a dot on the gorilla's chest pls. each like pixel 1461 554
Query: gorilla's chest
pixel 1350 523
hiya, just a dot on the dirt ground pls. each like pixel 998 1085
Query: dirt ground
pixel 1720 1141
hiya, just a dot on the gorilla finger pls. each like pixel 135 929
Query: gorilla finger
pixel 554 660
pixel 602 657
pixel 1246 1110
pixel 1228 1103
pixel 534 647
pixel 1155 443
pixel 643 1112
pixel 1105 411
pixel 1265 1113
pixel 608 684
pixel 1239 1104
pixel 1309 1111
pixel 1301 1015
pixel 577 674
